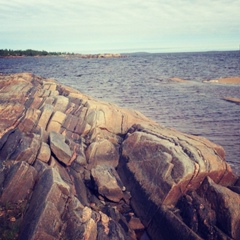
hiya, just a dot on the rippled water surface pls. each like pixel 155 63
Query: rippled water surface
pixel 142 82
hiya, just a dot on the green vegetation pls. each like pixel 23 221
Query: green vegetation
pixel 29 52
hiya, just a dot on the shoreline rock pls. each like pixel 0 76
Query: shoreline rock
pixel 175 79
pixel 227 80
pixel 232 100
pixel 72 167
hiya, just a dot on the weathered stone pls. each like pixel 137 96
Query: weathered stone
pixel 169 225
pixel 20 147
pixel 111 230
pixel 56 122
pixel 103 152
pixel 70 122
pixel 135 223
pixel 60 148
pixel 197 213
pixel 47 112
pixel 27 149
pixel 63 172
pixel 40 166
pixel 81 160
pixel 35 103
pixel 80 111
pixel 18 85
pixel 108 116
pixel 49 101
pixel 61 103
pixel 66 90
pixel 90 230
pixel 159 165
pixel 108 182
pixel 19 183
pixel 86 214
pixel 40 93
pixel 50 86
pixel 226 204
pixel 82 128
pixel 74 227
pixel 8 143
pixel 80 224
pixel 44 152
pixel 80 188
pixel 168 163
pixel 50 196
pixel 10 115
pixel 77 95
pixel 30 120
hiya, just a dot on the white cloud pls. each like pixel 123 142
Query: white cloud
pixel 118 23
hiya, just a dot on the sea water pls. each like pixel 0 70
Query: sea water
pixel 142 82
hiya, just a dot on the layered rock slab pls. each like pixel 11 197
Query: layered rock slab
pixel 103 171
pixel 168 163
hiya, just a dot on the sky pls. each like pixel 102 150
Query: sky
pixel 94 26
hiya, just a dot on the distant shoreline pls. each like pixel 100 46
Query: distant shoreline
pixel 74 56
pixel 8 53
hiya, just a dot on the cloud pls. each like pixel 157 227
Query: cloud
pixel 94 22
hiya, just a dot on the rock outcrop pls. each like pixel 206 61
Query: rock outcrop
pixel 226 80
pixel 72 167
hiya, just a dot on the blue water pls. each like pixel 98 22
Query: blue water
pixel 142 82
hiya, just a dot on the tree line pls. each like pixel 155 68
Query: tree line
pixel 28 52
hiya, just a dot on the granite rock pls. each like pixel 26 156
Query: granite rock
pixel 108 182
pixel 72 167
pixel 59 147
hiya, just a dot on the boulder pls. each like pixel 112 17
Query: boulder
pixel 30 119
pixel 226 205
pixel 108 182
pixel 20 146
pixel 80 224
pixel 59 147
pixel 56 122
pixel 10 115
pixel 47 112
pixel 61 103
pixel 103 152
pixel 50 197
pixel 160 165
pixel 168 163
pixel 198 215
pixel 19 176
pixel 44 153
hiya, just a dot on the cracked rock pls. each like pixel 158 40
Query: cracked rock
pixel 108 182
pixel 60 149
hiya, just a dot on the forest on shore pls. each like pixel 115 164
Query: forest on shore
pixel 29 52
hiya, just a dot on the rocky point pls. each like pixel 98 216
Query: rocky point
pixel 73 167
